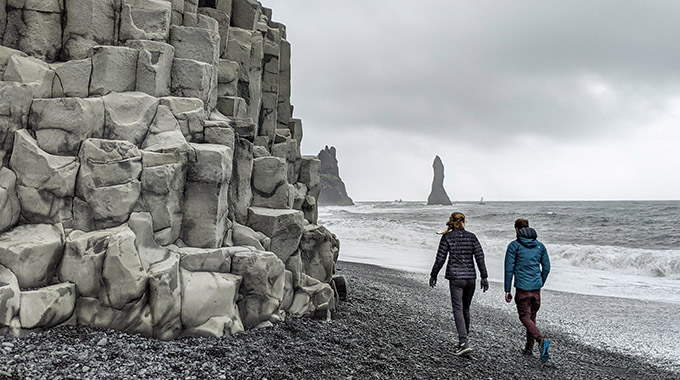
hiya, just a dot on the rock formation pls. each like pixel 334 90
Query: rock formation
pixel 150 171
pixel 333 192
pixel 438 195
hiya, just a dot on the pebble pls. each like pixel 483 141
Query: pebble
pixel 8 344
pixel 102 342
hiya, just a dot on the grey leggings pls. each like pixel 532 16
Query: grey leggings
pixel 461 298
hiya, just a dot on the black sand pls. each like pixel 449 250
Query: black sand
pixel 392 327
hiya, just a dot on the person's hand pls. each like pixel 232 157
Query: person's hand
pixel 433 282
pixel 485 284
pixel 508 296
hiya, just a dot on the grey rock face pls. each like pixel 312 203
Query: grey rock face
pixel 438 195
pixel 333 190
pixel 151 179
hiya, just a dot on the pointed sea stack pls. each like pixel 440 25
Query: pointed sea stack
pixel 438 195
pixel 333 191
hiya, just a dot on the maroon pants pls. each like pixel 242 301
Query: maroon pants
pixel 528 302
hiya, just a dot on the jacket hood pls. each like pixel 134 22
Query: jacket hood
pixel 527 237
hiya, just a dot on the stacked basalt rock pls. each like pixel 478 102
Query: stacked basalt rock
pixel 150 171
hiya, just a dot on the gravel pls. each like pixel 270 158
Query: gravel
pixel 392 327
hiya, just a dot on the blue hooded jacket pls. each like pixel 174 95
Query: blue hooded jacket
pixel 527 260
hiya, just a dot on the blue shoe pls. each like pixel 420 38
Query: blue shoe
pixel 545 350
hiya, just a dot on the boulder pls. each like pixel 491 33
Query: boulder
pixel 48 306
pixel 154 66
pixel 189 114
pixel 108 179
pixel 10 208
pixel 61 124
pixel 283 227
pixel 128 116
pixel 15 104
pixel 438 195
pixel 31 71
pixel 262 286
pixel 312 299
pixel 32 252
pixel 134 317
pixel 145 20
pixel 10 296
pixel 34 31
pixel 114 69
pixel 72 78
pixel 89 23
pixel 319 250
pixel 209 303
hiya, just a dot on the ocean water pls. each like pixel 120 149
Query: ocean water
pixel 625 249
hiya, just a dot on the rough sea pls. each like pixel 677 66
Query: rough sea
pixel 627 249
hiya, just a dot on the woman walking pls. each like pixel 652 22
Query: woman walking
pixel 463 249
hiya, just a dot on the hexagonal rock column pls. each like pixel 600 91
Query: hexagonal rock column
pixel 134 317
pixel 270 183
pixel 165 134
pixel 32 252
pixel 48 306
pixel 319 249
pixel 145 20
pixel 89 23
pixel 245 14
pixel 227 78
pixel 163 179
pixel 154 66
pixel 45 182
pixel 10 208
pixel 35 73
pixel 189 113
pixel 128 116
pixel 61 124
pixel 283 112
pixel 108 181
pixel 193 79
pixel 72 78
pixel 284 228
pixel 162 265
pixel 206 196
pixel 15 104
pixel 240 192
pixel 114 69
pixel 262 287
pixel 34 27
pixel 10 297
pixel 209 303
pixel 309 176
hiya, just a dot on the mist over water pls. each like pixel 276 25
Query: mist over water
pixel 621 249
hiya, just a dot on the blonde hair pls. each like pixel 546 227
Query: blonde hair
pixel 456 220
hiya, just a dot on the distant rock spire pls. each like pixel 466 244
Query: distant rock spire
pixel 333 192
pixel 438 195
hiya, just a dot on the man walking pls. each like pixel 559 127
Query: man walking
pixel 526 259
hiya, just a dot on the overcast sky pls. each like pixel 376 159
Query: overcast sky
pixel 522 100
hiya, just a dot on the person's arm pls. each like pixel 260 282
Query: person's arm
pixel 479 258
pixel 545 265
pixel 442 253
pixel 510 258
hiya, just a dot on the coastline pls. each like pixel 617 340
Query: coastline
pixel 392 326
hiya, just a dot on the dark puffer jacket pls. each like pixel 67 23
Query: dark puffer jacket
pixel 461 247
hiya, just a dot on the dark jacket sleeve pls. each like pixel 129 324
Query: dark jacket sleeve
pixel 479 257
pixel 545 264
pixel 510 257
pixel 442 253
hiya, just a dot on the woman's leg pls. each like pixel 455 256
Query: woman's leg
pixel 456 287
pixel 468 292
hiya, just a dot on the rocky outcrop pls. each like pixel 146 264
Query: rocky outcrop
pixel 438 195
pixel 151 179
pixel 333 192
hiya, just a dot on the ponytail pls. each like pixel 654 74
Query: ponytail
pixel 456 220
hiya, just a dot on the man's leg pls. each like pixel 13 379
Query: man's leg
pixel 525 301
pixel 468 292
pixel 456 287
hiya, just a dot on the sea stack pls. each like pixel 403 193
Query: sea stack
pixel 438 195
pixel 333 192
